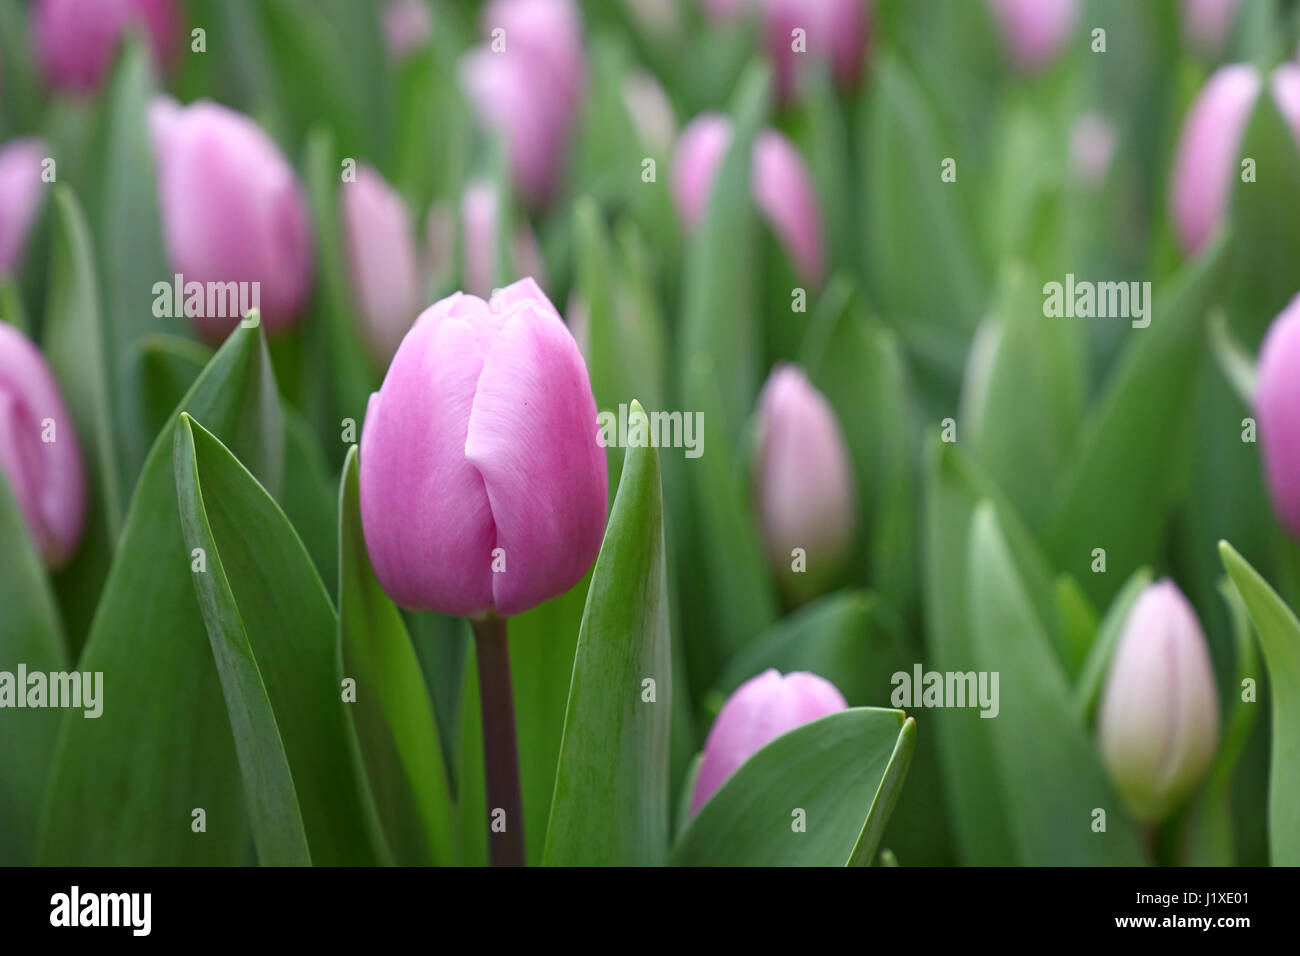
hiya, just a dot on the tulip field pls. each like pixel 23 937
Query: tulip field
pixel 649 433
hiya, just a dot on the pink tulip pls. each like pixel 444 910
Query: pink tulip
pixel 1092 143
pixel 527 84
pixel 483 486
pixel 1035 30
pixel 1209 147
pixel 1277 407
pixel 382 259
pixel 1158 725
pixel 1207 23
pixel 76 40
pixel 479 211
pixel 760 710
pixel 21 192
pixel 782 186
pixel 803 481
pixel 39 453
pixel 834 31
pixel 407 26
pixel 232 210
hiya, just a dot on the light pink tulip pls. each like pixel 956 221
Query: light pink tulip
pixel 407 25
pixel 1092 143
pixel 479 211
pixel 1277 407
pixel 40 456
pixel 76 40
pixel 1035 30
pixel 483 485
pixel 21 193
pixel 1158 724
pixel 760 710
pixel 700 150
pixel 232 210
pixel 1207 23
pixel 382 260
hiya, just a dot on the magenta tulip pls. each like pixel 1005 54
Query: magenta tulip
pixel 232 211
pixel 1277 407
pixel 76 40
pixel 40 456
pixel 1158 724
pixel 1034 30
pixel 803 482
pixel 783 188
pixel 383 261
pixel 760 710
pixel 1207 23
pixel 22 191
pixel 483 486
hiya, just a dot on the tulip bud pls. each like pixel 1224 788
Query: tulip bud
pixel 1034 30
pixel 1277 406
pixel 407 26
pixel 1205 162
pixel 479 212
pixel 782 186
pixel 76 40
pixel 39 452
pixel 803 482
pixel 483 487
pixel 232 210
pixel 382 260
pixel 1207 23
pixel 1158 726
pixel 760 710
pixel 21 193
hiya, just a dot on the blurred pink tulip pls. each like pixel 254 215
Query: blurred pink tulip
pixel 834 31
pixel 1035 30
pixel 232 210
pixel 758 711
pixel 407 25
pixel 1207 23
pixel 782 186
pixel 1277 406
pixel 479 211
pixel 22 191
pixel 483 486
pixel 76 40
pixel 1158 724
pixel 40 456
pixel 1092 143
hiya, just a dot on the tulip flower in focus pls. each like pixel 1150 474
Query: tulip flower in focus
pixel 21 193
pixel 483 487
pixel 382 260
pixel 782 186
pixel 40 456
pixel 232 210
pixel 1207 23
pixel 1277 406
pixel 1034 30
pixel 479 217
pixel 76 40
pixel 803 482
pixel 1158 725
pixel 1209 147
pixel 760 710
pixel 527 83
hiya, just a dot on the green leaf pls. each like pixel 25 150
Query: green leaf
pixel 1236 364
pixel 843 771
pixel 1049 770
pixel 160 371
pixel 393 715
pixel 12 310
pixel 123 786
pixel 611 785
pixel 309 498
pixel 1087 691
pixel 1279 636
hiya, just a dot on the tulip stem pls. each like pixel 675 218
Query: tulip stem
pixel 500 751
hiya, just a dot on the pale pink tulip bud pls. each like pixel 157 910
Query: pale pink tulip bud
pixel 803 482
pixel 22 191
pixel 1158 725
pixel 1035 30
pixel 1092 143
pixel 700 150
pixel 76 40
pixel 407 25
pixel 232 211
pixel 760 710
pixel 382 260
pixel 1207 23
pixel 40 456
pixel 483 485
pixel 479 212
pixel 1277 406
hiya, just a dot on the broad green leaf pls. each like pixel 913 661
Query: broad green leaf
pixel 1051 776
pixel 842 771
pixel 1087 691
pixel 611 784
pixel 30 634
pixel 123 787
pixel 269 790
pixel 1279 636
pixel 393 714
pixel 1078 624
pixel 160 370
